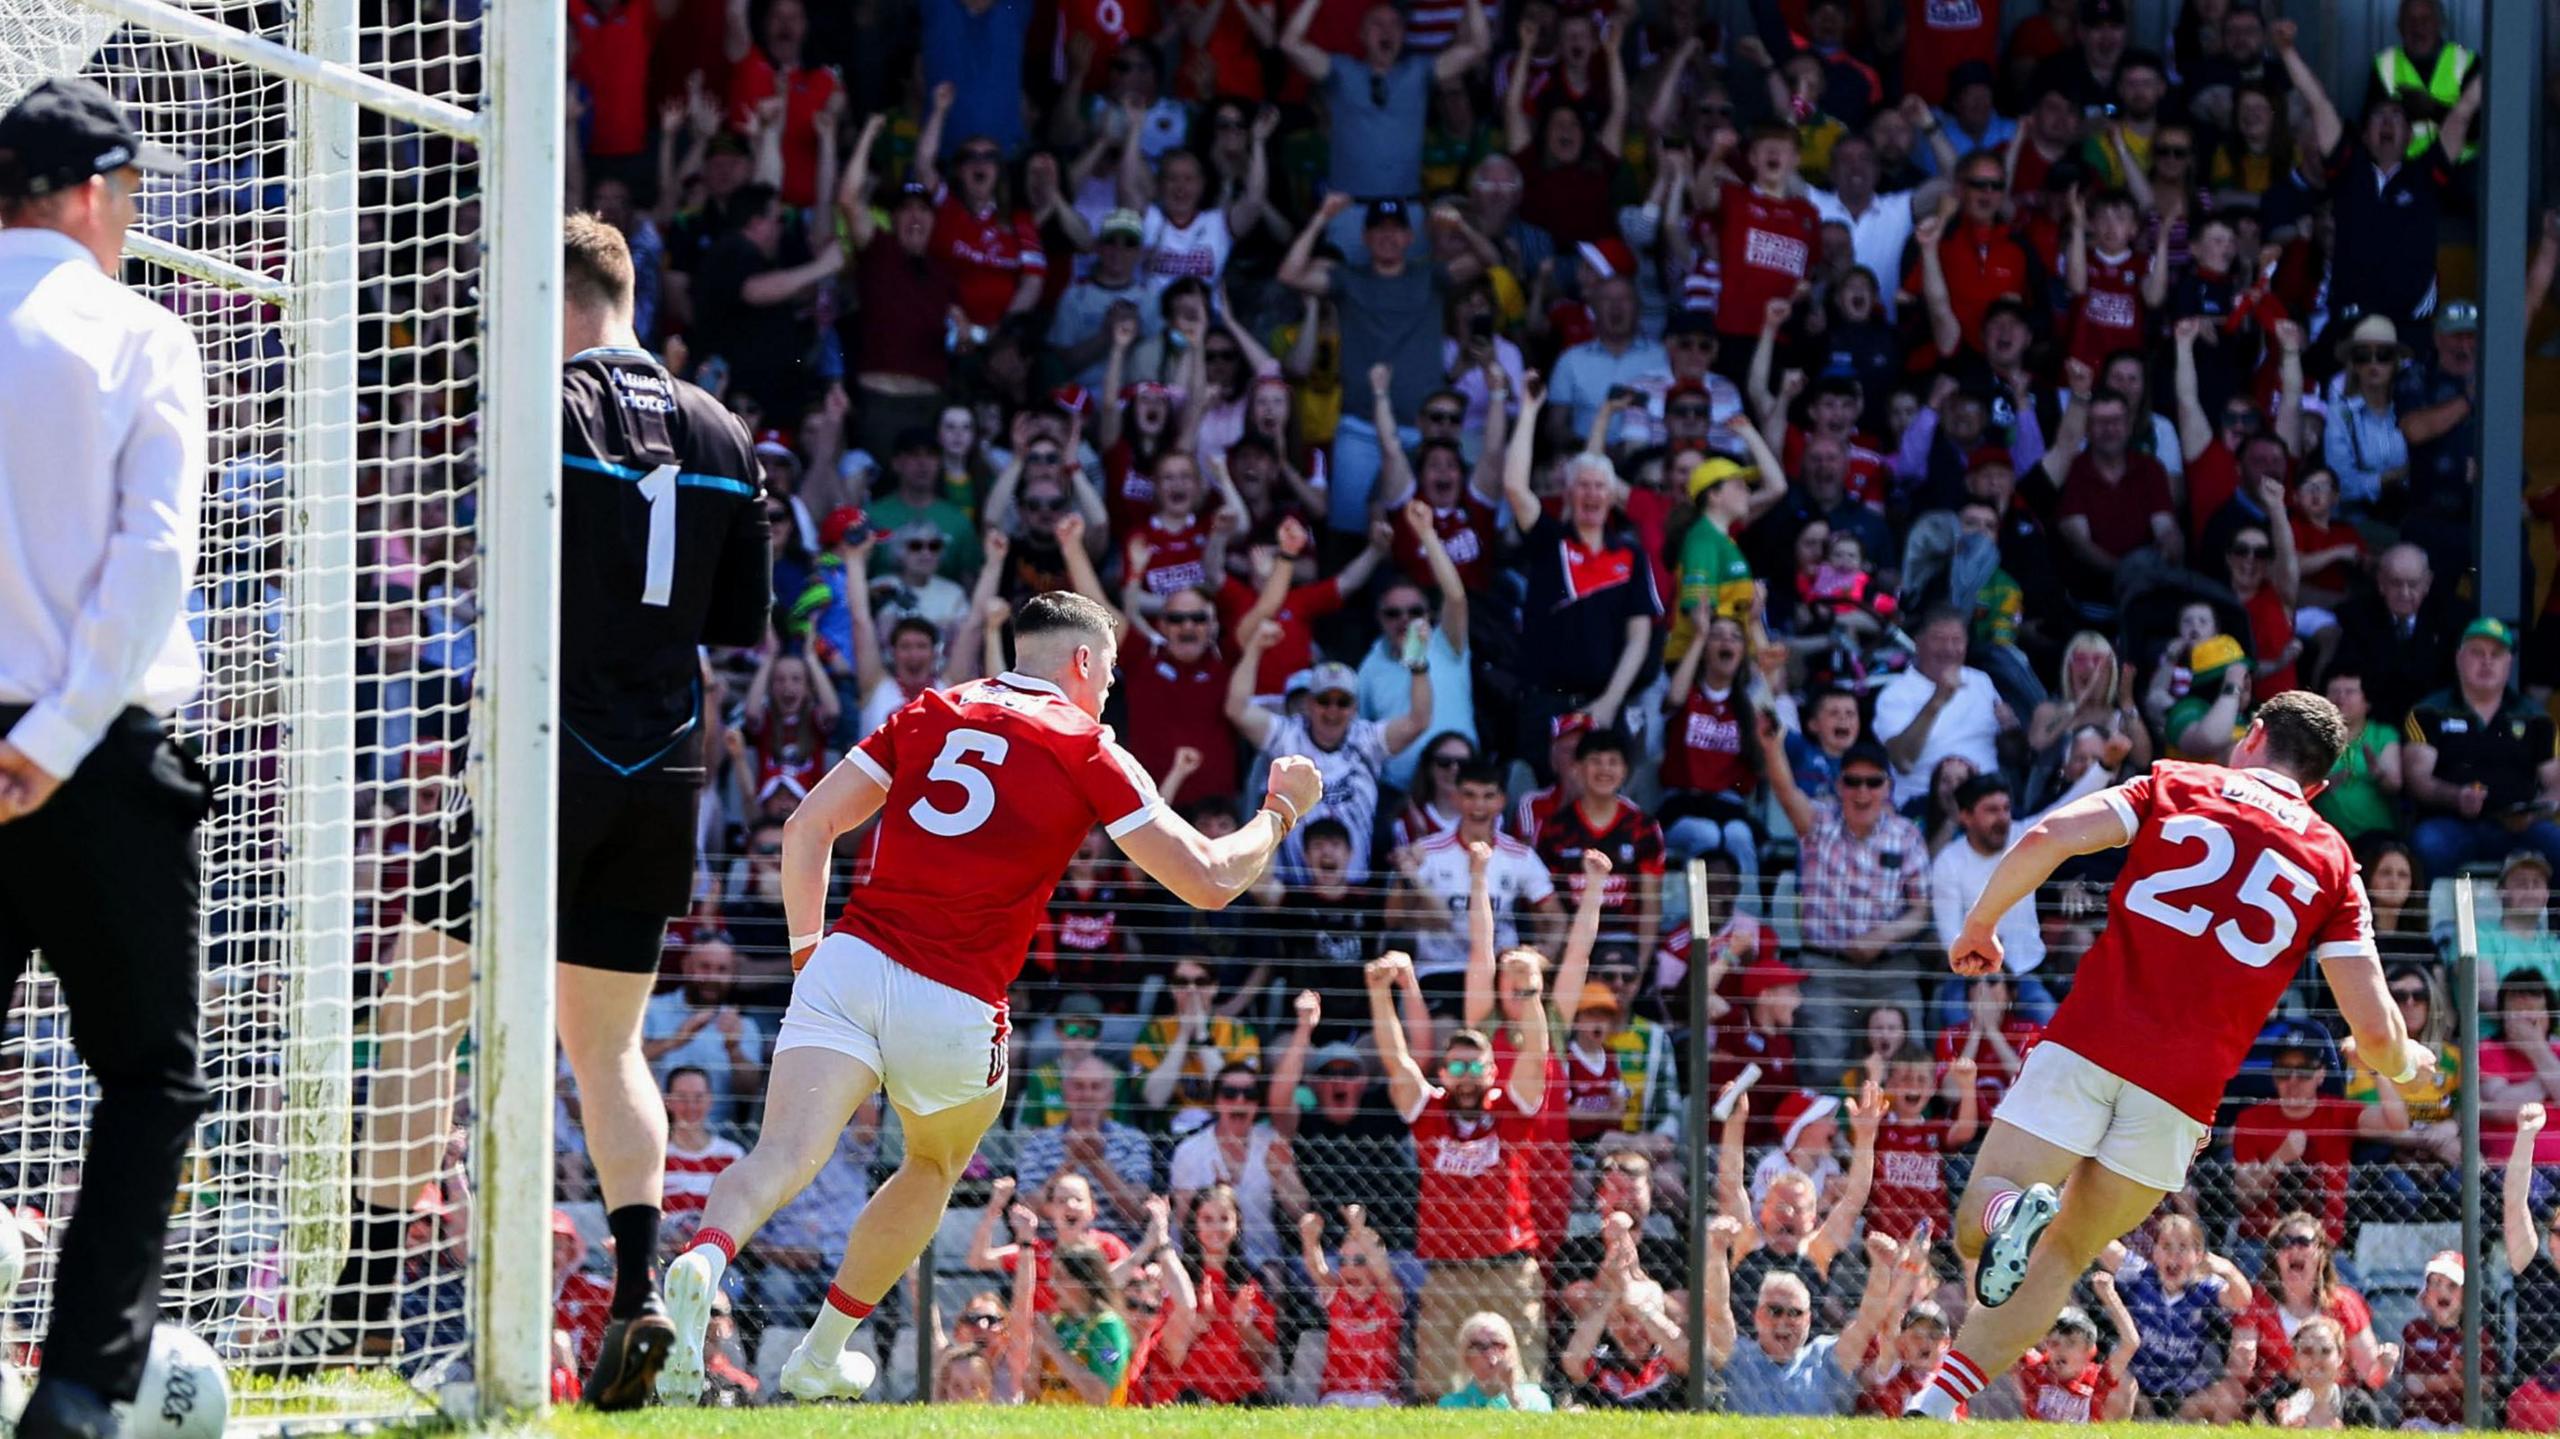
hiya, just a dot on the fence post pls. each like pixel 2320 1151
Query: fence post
pixel 1701 1153
pixel 2466 986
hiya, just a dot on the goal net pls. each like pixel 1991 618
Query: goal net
pixel 326 243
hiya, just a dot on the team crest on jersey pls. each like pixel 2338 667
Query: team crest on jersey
pixel 1951 15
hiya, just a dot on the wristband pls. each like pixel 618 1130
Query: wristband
pixel 800 942
pixel 2408 1073
pixel 1287 821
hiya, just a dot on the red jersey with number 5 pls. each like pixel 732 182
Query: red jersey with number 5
pixel 992 786
pixel 2231 880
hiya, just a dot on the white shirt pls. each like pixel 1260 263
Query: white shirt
pixel 102 474
pixel 1957 875
pixel 1515 877
pixel 1969 726
pixel 1197 1163
pixel 1876 237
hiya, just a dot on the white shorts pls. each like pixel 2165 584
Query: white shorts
pixel 2066 1101
pixel 932 1046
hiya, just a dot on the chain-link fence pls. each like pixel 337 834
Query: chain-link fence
pixel 1314 1179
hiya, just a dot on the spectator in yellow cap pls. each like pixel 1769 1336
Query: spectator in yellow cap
pixel 1726 496
pixel 2203 725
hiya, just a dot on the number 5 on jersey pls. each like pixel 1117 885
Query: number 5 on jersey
pixel 977 787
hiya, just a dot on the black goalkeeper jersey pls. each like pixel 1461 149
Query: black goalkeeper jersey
pixel 663 548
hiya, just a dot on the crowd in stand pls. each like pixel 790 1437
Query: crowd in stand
pixel 1698 481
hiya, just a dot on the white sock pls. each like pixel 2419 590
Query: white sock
pixel 834 1325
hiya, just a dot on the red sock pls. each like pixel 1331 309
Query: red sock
pixel 846 1304
pixel 1997 1212
pixel 1960 1377
pixel 715 1239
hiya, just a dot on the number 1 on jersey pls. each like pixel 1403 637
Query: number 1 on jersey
pixel 658 586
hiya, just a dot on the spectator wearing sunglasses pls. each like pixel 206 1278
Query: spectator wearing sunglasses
pixel 1043 1104
pixel 1784 1367
pixel 1865 880
pixel 1386 677
pixel 1182 1051
pixel 1239 1151
pixel 1114 1158
pixel 2364 442
pixel 920 500
pixel 915 591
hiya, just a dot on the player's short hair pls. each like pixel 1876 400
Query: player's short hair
pixel 1979 788
pixel 1601 741
pixel 1477 771
pixel 595 268
pixel 2305 734
pixel 1064 611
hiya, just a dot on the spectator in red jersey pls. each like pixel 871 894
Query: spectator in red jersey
pixel 1222 1355
pixel 2266 575
pixel 1564 738
pixel 1294 608
pixel 2066 1382
pixel 1066 1204
pixel 2295 1154
pixel 904 297
pixel 1172 672
pixel 696 1153
pixel 1363 1312
pixel 1766 233
pixel 1994 1035
pixel 1911 1147
pixel 1472 1139
pixel 2431 1351
pixel 1602 820
pixel 1771 991
pixel 1922 1339
pixel 2299 1282
pixel 2109 284
pixel 1710 767
pixel 1967 258
pixel 579 1295
pixel 1628 1351
pixel 990 250
pixel 773 89
pixel 2115 503
pixel 787 719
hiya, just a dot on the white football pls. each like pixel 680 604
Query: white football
pixel 184 1394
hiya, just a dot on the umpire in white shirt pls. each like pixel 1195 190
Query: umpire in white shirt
pixel 102 459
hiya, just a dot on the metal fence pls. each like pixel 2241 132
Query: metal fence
pixel 1213 1102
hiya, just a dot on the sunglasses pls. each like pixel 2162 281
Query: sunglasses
pixel 2241 420
pixel 1229 122
pixel 1444 417
pixel 1229 356
pixel 1041 457
pixel 776 517
pixel 1191 981
pixel 1080 1029
pixel 1862 781
pixel 1186 617
pixel 766 851
pixel 1486 1346
pixel 1784 1311
pixel 2293 1241
pixel 1985 182
pixel 2372 355
pixel 1448 761
pixel 2284 1075
pixel 1331 702
pixel 1689 412
pixel 978 153
pixel 2249 552
pixel 1719 112
pixel 933 544
pixel 1231 1091
pixel 1402 612
pixel 1467 1068
pixel 2410 996
pixel 1045 507
pixel 2172 152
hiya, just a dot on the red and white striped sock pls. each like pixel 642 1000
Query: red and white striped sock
pixel 836 1321
pixel 1997 1212
pixel 1957 1380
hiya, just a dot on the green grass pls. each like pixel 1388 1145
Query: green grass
pixel 897 1421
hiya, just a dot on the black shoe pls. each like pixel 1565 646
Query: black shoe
pixel 627 1363
pixel 62 1410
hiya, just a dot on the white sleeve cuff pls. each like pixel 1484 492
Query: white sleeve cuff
pixel 869 766
pixel 2115 801
pixel 1139 818
pixel 53 739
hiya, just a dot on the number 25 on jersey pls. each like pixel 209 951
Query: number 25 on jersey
pixel 2265 888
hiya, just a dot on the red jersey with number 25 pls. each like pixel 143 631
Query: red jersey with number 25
pixel 2231 879
pixel 992 785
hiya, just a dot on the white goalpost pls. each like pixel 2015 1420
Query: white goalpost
pixel 375 610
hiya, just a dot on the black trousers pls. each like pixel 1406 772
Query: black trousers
pixel 103 881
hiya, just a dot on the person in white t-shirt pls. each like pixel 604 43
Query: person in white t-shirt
pixel 1985 831
pixel 1185 236
pixel 1939 707
pixel 1437 879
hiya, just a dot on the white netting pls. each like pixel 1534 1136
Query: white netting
pixel 329 261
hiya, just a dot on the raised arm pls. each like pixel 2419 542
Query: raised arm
pixel 1280 1096
pixel 1473 43
pixel 1476 1003
pixel 2195 428
pixel 853 193
pixel 2084 826
pixel 2456 129
pixel 1723 1233
pixel 1528 1078
pixel 1300 270
pixel 2326 128
pixel 1134 185
pixel 1782 775
pixel 929 138
pixel 1856 1336
pixel 1209 873
pixel 1517 133
pixel 2515 1194
pixel 1945 331
pixel 1866 1117
pixel 1312 60
pixel 1613 126
pixel 1444 573
pixel 1406 1087
pixel 1516 461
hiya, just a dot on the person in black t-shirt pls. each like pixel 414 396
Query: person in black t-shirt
pixel 1332 929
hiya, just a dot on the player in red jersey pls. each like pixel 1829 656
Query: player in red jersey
pixel 983 793
pixel 2231 880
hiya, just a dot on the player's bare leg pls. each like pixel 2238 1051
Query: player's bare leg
pixel 810 1096
pixel 2098 1205
pixel 887 1236
pixel 600 1011
pixel 419 1021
